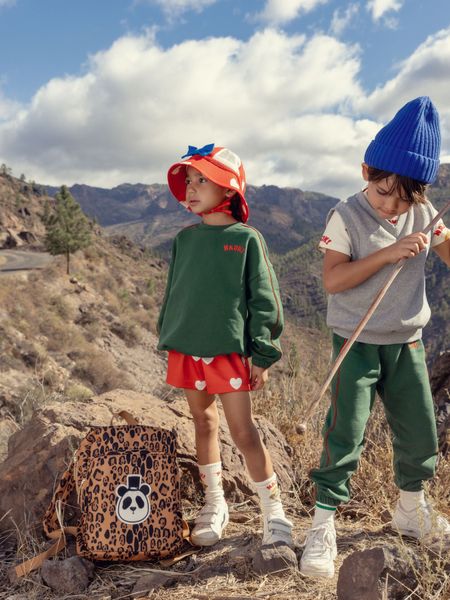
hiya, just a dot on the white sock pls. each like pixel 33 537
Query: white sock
pixel 412 500
pixel 323 515
pixel 270 498
pixel 211 479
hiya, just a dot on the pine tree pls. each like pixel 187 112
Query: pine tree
pixel 68 228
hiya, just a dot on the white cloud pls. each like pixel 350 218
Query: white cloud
pixel 291 106
pixel 342 18
pixel 379 8
pixel 173 8
pixel 139 106
pixel 8 108
pixel 278 12
pixel 425 73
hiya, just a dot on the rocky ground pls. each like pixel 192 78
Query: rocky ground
pixel 372 559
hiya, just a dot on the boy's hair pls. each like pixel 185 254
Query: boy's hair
pixel 410 189
pixel 236 208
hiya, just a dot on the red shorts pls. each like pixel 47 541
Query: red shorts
pixel 216 375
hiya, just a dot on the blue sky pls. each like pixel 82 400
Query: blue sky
pixel 108 91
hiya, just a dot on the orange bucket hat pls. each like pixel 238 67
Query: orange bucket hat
pixel 219 165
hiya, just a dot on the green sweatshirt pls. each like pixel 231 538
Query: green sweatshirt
pixel 222 295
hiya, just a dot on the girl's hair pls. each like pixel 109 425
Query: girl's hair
pixel 236 208
pixel 410 189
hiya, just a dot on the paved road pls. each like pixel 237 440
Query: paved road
pixel 20 260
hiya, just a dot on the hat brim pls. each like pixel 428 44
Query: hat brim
pixel 176 177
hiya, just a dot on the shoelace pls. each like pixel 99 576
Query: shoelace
pixel 439 523
pixel 436 521
pixel 321 534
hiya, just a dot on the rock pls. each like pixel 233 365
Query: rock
pixel 7 428
pixel 275 558
pixel 364 575
pixel 39 453
pixel 27 236
pixel 440 387
pixel 155 580
pixel 9 239
pixel 301 428
pixel 69 576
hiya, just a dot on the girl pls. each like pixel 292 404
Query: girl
pixel 221 306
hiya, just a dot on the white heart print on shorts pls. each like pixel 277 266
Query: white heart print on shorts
pixel 200 385
pixel 206 359
pixel 236 382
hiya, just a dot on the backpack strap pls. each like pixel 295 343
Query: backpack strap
pixel 34 563
pixel 53 527
pixel 126 416
pixel 168 562
pixel 53 515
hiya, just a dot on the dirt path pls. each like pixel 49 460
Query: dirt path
pixel 21 260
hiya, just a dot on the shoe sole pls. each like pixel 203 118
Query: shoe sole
pixel 312 572
pixel 210 541
pixel 408 532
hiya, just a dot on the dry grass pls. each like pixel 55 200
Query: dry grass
pixel 95 367
pixel 225 571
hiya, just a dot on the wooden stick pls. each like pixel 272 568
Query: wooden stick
pixel 349 343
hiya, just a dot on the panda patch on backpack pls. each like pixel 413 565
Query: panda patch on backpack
pixel 133 505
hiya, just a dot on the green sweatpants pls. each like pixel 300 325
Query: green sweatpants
pixel 399 374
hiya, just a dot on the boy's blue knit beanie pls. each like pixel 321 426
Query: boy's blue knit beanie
pixel 410 143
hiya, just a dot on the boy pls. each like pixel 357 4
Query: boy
pixel 364 237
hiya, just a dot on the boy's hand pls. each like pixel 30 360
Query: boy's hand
pixel 407 247
pixel 258 377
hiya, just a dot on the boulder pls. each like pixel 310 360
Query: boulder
pixel 69 576
pixel 274 558
pixel 40 452
pixel 365 575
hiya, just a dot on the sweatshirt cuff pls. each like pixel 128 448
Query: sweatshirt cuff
pixel 264 363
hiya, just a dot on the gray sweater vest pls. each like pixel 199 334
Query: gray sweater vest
pixel 404 310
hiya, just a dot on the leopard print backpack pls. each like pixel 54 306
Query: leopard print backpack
pixel 127 485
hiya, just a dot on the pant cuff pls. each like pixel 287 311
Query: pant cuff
pixel 322 498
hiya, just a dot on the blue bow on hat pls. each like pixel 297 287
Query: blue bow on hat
pixel 192 150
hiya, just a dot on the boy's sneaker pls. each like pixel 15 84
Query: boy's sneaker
pixel 209 524
pixel 420 523
pixel 277 529
pixel 320 551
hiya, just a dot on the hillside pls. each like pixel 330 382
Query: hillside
pixel 20 206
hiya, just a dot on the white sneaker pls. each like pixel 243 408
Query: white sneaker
pixel 209 524
pixel 420 523
pixel 320 551
pixel 277 529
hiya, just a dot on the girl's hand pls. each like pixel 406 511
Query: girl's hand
pixel 407 247
pixel 258 377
